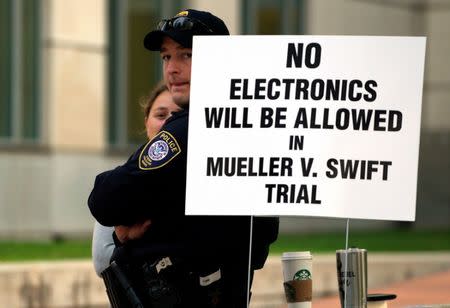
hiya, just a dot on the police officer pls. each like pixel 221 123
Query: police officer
pixel 208 256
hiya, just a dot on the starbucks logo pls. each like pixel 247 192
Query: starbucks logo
pixel 302 274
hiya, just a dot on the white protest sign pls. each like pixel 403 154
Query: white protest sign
pixel 305 125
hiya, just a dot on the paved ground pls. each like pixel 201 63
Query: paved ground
pixel 418 292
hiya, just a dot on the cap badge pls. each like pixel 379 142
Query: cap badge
pixel 183 13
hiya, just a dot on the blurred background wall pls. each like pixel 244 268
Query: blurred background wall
pixel 72 73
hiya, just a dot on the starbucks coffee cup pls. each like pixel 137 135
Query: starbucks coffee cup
pixel 297 274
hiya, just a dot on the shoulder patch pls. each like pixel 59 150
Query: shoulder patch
pixel 159 151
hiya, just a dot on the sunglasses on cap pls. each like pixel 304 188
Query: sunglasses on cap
pixel 183 23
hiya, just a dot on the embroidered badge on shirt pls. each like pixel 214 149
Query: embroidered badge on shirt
pixel 159 151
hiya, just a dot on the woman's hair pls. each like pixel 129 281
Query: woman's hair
pixel 147 101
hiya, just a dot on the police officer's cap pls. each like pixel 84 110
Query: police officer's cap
pixel 183 26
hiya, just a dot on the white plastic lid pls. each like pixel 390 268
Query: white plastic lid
pixel 296 255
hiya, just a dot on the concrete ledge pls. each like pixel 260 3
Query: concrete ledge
pixel 51 285
pixel 383 269
pixel 64 284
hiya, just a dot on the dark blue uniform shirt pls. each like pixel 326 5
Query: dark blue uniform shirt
pixel 151 184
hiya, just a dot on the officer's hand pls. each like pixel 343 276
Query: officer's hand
pixel 126 233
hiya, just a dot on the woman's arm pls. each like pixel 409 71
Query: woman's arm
pixel 102 247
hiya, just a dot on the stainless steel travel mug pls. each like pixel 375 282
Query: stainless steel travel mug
pixel 352 278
